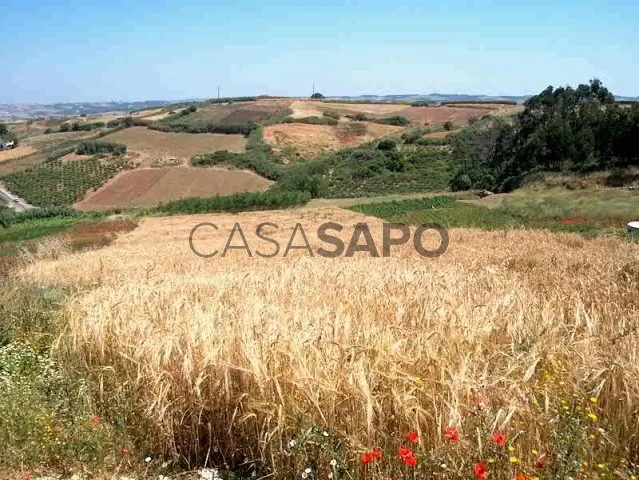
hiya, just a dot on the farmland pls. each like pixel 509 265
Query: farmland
pixel 59 182
pixel 516 340
pixel 152 145
pixel 150 186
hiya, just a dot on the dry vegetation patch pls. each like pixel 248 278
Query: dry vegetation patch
pixel 243 353
pixel 18 152
pixel 307 141
pixel 153 144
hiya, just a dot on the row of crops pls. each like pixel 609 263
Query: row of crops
pixel 62 182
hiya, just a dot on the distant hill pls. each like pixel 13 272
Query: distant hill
pixel 13 112
pixel 448 97
pixel 16 112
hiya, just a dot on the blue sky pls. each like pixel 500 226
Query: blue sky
pixel 68 50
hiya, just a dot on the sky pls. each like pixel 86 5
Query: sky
pixel 95 50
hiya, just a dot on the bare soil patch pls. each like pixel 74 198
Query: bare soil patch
pixel 155 185
pixel 152 145
pixel 18 152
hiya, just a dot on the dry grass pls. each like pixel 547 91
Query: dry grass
pixel 223 358
pixel 308 141
pixel 18 152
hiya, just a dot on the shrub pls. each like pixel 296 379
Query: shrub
pixel 332 114
pixel 355 128
pixel 312 120
pixel 317 96
pixel 248 201
pixel 47 131
pixel 448 126
pixel 396 120
pixel 387 145
pixel 65 127
pixel 255 161
pixel 93 148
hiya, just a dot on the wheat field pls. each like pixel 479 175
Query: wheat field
pixel 227 360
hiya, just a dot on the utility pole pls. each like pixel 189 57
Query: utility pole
pixel 313 88
pixel 218 94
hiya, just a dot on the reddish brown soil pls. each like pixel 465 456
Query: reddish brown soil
pixel 152 186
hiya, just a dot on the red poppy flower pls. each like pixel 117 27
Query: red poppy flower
pixel 95 420
pixel 377 453
pixel 125 451
pixel 479 470
pixel 367 458
pixel 540 464
pixel 499 438
pixel 405 452
pixel 520 476
pixel 451 434
pixel 411 460
pixel 413 437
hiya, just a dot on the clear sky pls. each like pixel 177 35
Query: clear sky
pixel 96 50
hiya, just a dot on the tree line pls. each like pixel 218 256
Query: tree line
pixel 561 129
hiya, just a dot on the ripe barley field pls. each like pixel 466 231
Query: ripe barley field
pixel 285 366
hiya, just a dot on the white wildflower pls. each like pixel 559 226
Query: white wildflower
pixel 333 463
pixel 292 443
pixel 308 470
pixel 147 459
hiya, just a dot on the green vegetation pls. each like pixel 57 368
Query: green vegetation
pixel 368 170
pixel 239 202
pixel 58 182
pixel 243 129
pixel 260 164
pixel 81 126
pixel 589 213
pixel 6 135
pixel 327 120
pixel 396 120
pixel 93 148
pixel 234 99
pixel 480 102
pixel 46 414
pixel 317 96
pixel 561 130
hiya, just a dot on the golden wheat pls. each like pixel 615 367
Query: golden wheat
pixel 228 356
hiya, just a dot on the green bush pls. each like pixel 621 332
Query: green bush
pixel 386 145
pixel 258 163
pixel 239 202
pixel 448 126
pixel 93 148
pixel 242 128
pixel 396 120
pixel 312 120
pixel 65 127
pixel 317 96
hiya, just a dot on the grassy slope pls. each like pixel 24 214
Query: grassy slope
pixel 588 212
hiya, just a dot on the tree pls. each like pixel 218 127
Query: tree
pixel 4 130
pixel 317 96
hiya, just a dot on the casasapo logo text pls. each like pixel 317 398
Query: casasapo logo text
pixel 207 240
